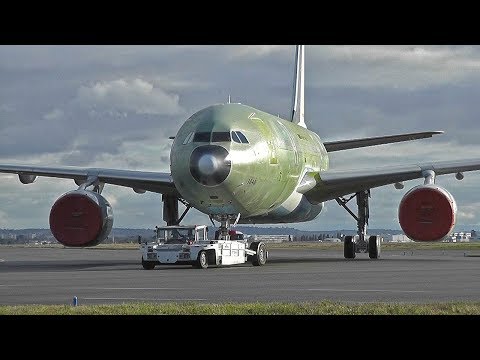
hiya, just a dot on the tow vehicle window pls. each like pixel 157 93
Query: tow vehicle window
pixel 179 236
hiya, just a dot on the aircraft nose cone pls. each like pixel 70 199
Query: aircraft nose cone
pixel 207 164
pixel 210 165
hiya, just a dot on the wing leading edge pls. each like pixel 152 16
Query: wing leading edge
pixel 332 184
pixel 379 140
pixel 144 180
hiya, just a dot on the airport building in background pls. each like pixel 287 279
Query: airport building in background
pixel 461 236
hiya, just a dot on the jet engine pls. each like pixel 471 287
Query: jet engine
pixel 427 213
pixel 81 218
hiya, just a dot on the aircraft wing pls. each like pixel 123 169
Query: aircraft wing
pixel 140 180
pixel 379 140
pixel 330 184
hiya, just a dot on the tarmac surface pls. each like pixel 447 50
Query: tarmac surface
pixel 100 276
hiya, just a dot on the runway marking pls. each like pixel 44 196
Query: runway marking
pixel 139 299
pixel 369 290
pixel 122 288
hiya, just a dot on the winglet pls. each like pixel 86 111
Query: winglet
pixel 298 115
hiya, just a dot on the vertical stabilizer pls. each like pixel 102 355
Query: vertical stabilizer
pixel 299 87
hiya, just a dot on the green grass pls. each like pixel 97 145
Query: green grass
pixel 311 308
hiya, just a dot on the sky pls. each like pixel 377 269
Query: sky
pixel 115 106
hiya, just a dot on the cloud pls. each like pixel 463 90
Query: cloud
pixel 135 95
pixel 174 83
pixel 467 215
pixel 53 115
pixel 147 155
pixel 408 67
pixel 243 52
pixel 417 55
pixel 112 199
pixel 7 108
pixel 3 219
pixel 411 152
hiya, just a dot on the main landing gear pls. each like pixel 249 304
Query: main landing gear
pixel 360 243
pixel 170 209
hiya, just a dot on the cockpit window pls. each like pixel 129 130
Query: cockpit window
pixel 201 137
pixel 235 137
pixel 221 136
pixel 188 139
pixel 242 137
pixel 238 137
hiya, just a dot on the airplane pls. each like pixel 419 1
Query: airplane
pixel 241 165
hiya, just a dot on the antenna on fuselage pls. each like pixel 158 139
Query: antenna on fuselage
pixel 298 116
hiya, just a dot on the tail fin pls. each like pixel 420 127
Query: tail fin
pixel 299 88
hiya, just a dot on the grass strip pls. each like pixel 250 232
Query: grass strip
pixel 192 308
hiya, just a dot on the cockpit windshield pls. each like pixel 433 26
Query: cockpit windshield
pixel 217 136
pixel 238 137
pixel 242 137
pixel 221 136
pixel 201 137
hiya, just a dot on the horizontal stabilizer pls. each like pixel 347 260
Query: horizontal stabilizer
pixel 379 140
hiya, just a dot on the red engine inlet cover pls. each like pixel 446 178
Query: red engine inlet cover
pixel 427 213
pixel 76 220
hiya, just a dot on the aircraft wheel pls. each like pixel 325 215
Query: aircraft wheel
pixel 202 261
pixel 260 258
pixel 148 265
pixel 374 247
pixel 349 248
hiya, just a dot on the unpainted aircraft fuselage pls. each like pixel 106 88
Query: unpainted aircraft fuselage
pixel 232 158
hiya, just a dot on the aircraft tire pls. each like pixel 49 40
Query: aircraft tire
pixel 374 247
pixel 349 248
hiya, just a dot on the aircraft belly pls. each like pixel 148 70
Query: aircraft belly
pixel 295 209
pixel 288 206
pixel 225 209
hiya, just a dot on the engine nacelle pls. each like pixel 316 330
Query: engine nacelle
pixel 81 218
pixel 427 213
